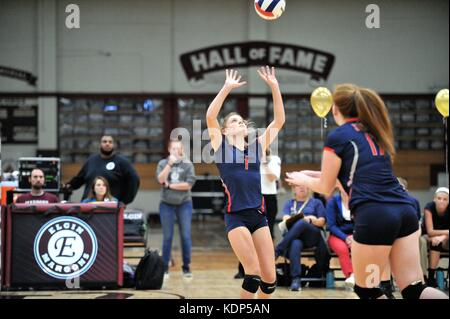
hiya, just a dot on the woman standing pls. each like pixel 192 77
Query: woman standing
pixel 177 176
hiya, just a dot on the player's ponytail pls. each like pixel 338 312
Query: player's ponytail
pixel 366 105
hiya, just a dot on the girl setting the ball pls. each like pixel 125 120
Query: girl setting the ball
pixel 238 157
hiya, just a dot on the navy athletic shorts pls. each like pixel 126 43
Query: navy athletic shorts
pixel 253 219
pixel 382 224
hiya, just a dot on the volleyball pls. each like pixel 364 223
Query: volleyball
pixel 270 9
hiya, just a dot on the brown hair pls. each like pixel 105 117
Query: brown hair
pixel 367 105
pixel 224 121
pixel 92 190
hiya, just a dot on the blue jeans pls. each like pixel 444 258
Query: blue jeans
pixel 183 213
pixel 302 234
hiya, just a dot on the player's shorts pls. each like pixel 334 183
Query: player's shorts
pixel 381 224
pixel 252 219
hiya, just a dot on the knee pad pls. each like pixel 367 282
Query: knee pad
pixel 251 283
pixel 413 291
pixel 368 293
pixel 268 288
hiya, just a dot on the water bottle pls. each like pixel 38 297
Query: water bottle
pixel 330 279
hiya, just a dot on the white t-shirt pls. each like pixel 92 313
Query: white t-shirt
pixel 346 213
pixel 268 187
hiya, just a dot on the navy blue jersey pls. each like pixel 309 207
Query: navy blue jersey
pixel 241 177
pixel 366 172
pixel 417 207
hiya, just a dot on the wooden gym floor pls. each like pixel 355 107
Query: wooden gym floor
pixel 213 267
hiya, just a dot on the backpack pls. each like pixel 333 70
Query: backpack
pixel 150 271
pixel 128 276
pixel 283 274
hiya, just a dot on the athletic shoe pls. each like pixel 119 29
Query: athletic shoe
pixel 187 273
pixel 350 281
pixel 296 284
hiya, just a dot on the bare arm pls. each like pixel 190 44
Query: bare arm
pixel 326 183
pixel 271 132
pixel 231 82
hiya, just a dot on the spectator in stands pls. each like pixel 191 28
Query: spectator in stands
pixel 177 176
pixel 115 168
pixel 340 224
pixel 305 233
pixel 100 192
pixel 37 194
pixel 437 226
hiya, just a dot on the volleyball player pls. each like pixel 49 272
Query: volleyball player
pixel 237 157
pixel 359 154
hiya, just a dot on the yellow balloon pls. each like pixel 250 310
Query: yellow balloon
pixel 441 101
pixel 321 101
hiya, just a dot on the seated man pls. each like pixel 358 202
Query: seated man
pixel 437 227
pixel 304 233
pixel 37 194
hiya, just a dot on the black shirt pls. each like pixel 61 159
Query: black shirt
pixel 440 222
pixel 122 177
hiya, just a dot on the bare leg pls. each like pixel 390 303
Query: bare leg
pixel 242 244
pixel 369 261
pixel 405 263
pixel 434 258
pixel 266 256
pixel 423 247
pixel 386 274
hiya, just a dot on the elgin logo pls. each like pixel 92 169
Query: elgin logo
pixel 65 247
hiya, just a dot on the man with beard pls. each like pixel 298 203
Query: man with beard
pixel 37 194
pixel 122 177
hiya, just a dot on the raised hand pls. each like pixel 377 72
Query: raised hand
pixel 232 80
pixel 268 75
